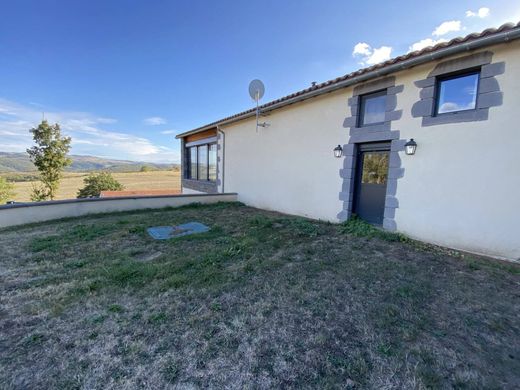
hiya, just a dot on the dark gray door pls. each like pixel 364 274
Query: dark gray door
pixel 371 177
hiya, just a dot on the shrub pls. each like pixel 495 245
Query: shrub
pixel 97 182
pixel 146 168
pixel 6 190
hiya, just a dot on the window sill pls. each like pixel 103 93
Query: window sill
pixel 454 112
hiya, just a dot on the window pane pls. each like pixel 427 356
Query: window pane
pixel 373 108
pixel 375 168
pixel 457 94
pixel 213 162
pixel 203 162
pixel 192 168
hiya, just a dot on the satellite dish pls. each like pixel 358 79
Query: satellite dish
pixel 256 90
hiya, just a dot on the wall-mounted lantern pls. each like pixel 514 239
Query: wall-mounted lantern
pixel 338 151
pixel 410 147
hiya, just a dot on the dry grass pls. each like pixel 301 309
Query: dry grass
pixel 72 182
pixel 263 300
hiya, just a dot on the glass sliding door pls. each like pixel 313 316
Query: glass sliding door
pixel 202 162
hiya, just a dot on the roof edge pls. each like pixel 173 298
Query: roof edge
pixel 505 33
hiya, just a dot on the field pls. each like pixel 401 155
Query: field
pixel 262 300
pixel 72 182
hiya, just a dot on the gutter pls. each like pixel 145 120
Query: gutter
pixel 502 37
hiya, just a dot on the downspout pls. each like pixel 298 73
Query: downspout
pixel 223 155
pixel 183 162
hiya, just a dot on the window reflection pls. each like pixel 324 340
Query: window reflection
pixel 213 162
pixel 203 162
pixel 192 174
pixel 457 93
pixel 373 108
pixel 375 168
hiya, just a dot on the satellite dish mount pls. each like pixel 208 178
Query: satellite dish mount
pixel 256 91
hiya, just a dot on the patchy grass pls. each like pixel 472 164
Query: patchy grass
pixel 359 228
pixel 261 300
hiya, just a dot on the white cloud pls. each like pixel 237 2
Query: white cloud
pixel 379 55
pixel 154 121
pixel 447 27
pixel 369 55
pixel 106 120
pixel 170 132
pixel 362 48
pixel 425 43
pixel 87 133
pixel 452 106
pixel 481 13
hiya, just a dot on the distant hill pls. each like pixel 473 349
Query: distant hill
pixel 19 162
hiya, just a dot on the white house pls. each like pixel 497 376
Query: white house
pixel 459 101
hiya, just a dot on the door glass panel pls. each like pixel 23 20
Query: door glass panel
pixel 203 162
pixel 192 173
pixel 213 162
pixel 375 168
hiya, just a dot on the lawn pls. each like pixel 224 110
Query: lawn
pixel 262 300
pixel 73 181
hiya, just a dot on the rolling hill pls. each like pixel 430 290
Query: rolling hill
pixel 19 162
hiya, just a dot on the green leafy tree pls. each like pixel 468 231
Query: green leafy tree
pixel 49 155
pixel 97 182
pixel 146 168
pixel 6 190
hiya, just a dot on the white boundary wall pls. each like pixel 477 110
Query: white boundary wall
pixel 19 214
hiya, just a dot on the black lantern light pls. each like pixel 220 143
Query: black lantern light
pixel 338 151
pixel 410 147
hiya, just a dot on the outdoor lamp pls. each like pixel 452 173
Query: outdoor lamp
pixel 410 147
pixel 338 151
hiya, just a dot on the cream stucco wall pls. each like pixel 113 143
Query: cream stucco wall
pixel 461 189
pixel 289 166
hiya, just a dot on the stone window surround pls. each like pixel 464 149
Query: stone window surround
pixel 488 94
pixel 373 133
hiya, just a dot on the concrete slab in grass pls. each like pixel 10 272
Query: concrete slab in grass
pixel 167 232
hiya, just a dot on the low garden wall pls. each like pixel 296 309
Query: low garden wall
pixel 19 214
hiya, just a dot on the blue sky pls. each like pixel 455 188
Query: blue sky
pixel 123 77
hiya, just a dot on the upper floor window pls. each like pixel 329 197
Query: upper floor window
pixel 457 93
pixel 372 108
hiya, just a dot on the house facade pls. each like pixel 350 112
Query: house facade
pixel 459 102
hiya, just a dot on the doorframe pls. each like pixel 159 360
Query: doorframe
pixel 373 134
pixel 385 146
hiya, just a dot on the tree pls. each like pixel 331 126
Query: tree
pixel 6 190
pixel 97 182
pixel 146 168
pixel 49 155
